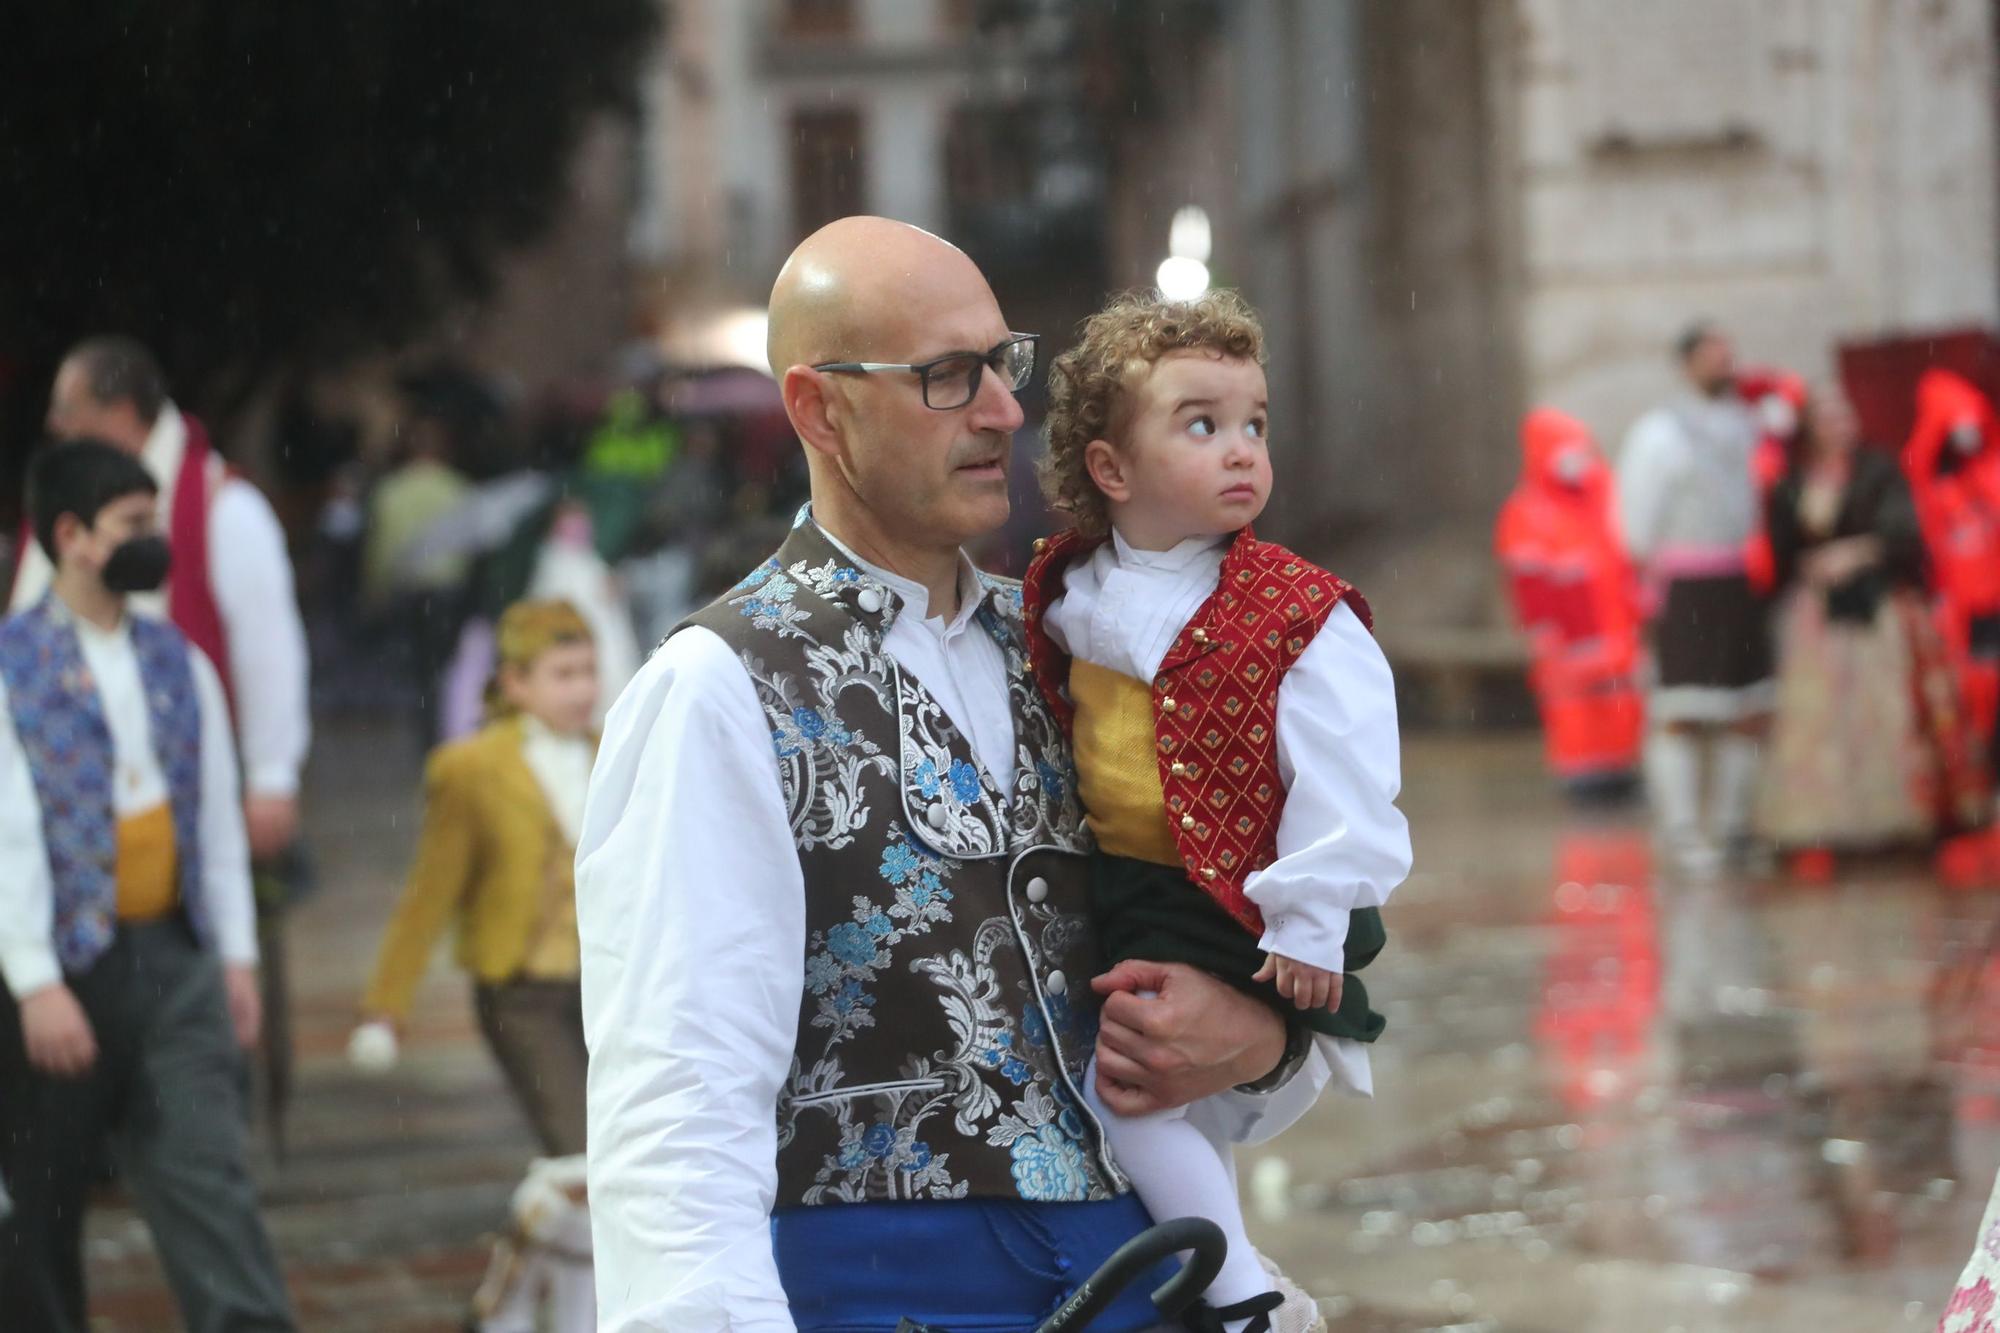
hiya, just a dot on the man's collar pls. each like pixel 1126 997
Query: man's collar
pixel 164 447
pixel 914 596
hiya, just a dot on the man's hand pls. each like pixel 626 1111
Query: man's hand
pixel 272 823
pixel 1188 1036
pixel 57 1033
pixel 246 1004
pixel 1306 986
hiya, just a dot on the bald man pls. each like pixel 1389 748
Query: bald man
pixel 838 972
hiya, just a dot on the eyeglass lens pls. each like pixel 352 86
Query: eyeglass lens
pixel 953 383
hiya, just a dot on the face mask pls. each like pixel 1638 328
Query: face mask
pixel 1778 416
pixel 139 565
pixel 1571 466
pixel 1967 437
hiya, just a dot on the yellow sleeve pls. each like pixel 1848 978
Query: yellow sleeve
pixel 447 853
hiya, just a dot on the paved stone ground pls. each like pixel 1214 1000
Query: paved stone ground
pixel 1604 1103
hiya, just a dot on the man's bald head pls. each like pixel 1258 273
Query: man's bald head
pixel 891 474
pixel 858 289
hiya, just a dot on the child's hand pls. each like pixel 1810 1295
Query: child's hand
pixel 1304 985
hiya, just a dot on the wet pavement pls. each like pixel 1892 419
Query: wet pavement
pixel 1603 1102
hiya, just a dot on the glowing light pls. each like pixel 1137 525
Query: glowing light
pixel 1188 235
pixel 1182 279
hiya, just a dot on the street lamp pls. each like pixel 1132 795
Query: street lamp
pixel 1183 275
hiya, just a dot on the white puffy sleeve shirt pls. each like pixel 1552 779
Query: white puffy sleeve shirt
pixel 1342 843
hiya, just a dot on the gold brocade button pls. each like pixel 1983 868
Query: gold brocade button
pixel 1201 636
pixel 1168 703
pixel 1208 872
pixel 1187 821
pixel 1179 769
pixel 1041 544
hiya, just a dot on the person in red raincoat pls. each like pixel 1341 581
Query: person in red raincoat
pixel 1952 461
pixel 1575 595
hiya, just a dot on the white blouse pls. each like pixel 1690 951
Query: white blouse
pixel 561 765
pixel 691 909
pixel 1342 843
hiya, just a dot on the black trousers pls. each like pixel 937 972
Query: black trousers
pixel 167 1094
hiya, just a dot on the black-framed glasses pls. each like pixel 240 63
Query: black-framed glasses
pixel 950 382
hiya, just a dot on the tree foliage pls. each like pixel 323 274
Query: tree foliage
pixel 252 187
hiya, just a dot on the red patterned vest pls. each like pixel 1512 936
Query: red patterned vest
pixel 1215 700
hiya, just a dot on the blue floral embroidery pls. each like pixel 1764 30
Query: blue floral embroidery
pixel 809 722
pixel 998 1053
pixel 878 925
pixel 1036 1029
pixel 926 778
pixel 964 780
pixel 758 575
pixel 919 1158
pixel 851 944
pixel 927 888
pixel 1015 1070
pixel 822 973
pixel 1053 782
pixel 851 997
pixel 879 1140
pixel 1048 1166
pixel 899 862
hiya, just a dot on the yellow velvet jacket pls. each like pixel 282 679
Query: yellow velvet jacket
pixel 490 857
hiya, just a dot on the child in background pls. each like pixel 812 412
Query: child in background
pixel 1234 727
pixel 500 823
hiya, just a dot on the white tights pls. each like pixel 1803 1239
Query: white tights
pixel 1178 1171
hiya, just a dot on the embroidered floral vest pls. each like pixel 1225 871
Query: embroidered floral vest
pixel 60 721
pixel 1215 700
pixel 947 1019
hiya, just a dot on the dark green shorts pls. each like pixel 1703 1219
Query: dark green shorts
pixel 1154 912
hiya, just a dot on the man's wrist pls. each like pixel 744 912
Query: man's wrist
pixel 1298 1041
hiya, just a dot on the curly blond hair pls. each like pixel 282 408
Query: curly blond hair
pixel 1091 385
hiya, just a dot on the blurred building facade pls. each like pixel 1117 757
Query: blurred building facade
pixel 769 118
pixel 1450 212
pixel 1447 212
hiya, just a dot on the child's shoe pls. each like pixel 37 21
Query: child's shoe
pixel 1206 1318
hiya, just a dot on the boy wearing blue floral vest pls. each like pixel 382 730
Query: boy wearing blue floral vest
pixel 127 927
pixel 1233 722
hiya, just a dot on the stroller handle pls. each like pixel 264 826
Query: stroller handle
pixel 1137 1255
pixel 1124 1267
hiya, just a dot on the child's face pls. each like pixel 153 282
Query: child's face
pixel 1194 461
pixel 558 688
pixel 90 547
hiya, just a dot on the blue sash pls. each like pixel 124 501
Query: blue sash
pixel 966 1266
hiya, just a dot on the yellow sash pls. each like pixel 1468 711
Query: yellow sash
pixel 1118 764
pixel 148 867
